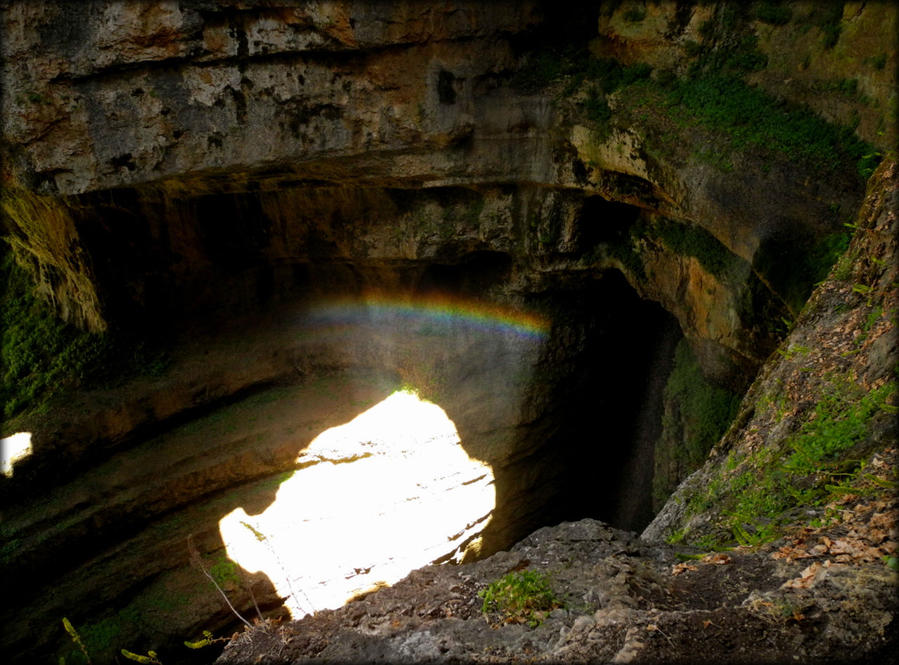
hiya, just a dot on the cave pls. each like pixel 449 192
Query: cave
pixel 471 273
pixel 554 381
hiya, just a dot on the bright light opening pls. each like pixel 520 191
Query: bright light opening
pixel 372 500
pixel 13 449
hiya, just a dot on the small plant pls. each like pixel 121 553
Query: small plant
pixel 675 536
pixel 205 641
pixel 149 659
pixel 76 638
pixel 524 597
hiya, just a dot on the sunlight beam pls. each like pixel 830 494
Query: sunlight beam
pixel 373 499
pixel 14 449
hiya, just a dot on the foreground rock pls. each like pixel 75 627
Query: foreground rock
pixel 624 600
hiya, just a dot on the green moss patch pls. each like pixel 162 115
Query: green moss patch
pixel 41 356
pixel 697 413
pixel 750 118
pixel 761 493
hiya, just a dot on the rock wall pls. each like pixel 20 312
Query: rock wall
pixel 193 100
pixel 214 171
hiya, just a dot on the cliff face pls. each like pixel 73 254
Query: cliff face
pixel 144 124
pixel 585 227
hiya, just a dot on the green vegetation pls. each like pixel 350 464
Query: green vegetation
pixel 682 238
pixel 751 118
pixel 578 66
pixel 695 241
pixel 204 641
pixel 705 409
pixel 225 572
pixel 772 489
pixel 101 637
pixel 149 659
pixel 41 356
pixel 524 597
pixel 773 13
pixel 76 638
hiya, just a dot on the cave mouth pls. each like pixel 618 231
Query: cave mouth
pixel 534 419
pixel 603 374
pixel 371 500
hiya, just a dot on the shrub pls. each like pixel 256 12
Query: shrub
pixel 751 117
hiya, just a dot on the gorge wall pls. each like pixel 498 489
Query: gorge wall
pixel 637 188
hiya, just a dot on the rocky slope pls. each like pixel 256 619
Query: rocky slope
pixel 821 587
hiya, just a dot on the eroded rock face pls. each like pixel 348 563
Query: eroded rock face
pixel 824 591
pixel 176 104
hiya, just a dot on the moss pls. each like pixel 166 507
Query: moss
pixel 771 489
pixel 691 240
pixel 750 117
pixel 697 413
pixel 706 409
pixel 103 638
pixel 773 13
pixel 225 572
pixel 43 356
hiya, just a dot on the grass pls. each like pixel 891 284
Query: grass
pixel 770 490
pixel 520 597
pixel 750 118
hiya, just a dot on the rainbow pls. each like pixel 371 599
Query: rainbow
pixel 440 313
